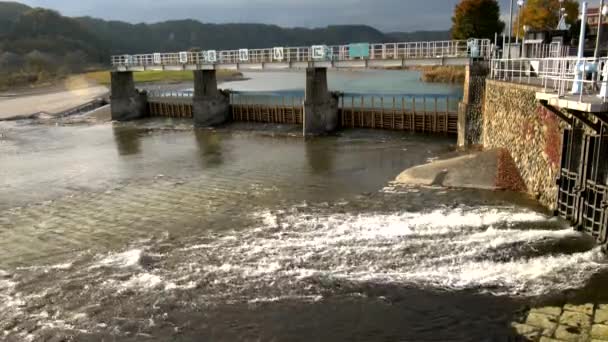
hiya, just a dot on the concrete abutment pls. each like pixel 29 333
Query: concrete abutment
pixel 127 103
pixel 320 105
pixel 210 106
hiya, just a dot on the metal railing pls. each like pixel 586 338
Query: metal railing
pixel 478 48
pixel 545 51
pixel 159 93
pixel 563 76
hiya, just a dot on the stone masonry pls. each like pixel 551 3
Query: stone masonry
pixel 571 322
pixel 514 120
pixel 470 110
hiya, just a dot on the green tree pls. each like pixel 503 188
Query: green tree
pixel 476 19
pixel 545 14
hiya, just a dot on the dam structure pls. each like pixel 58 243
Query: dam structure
pixel 320 111
pixel 552 115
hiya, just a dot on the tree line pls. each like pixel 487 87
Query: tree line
pixel 481 18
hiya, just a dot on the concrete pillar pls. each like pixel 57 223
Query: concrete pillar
pixel 210 106
pixel 127 103
pixel 320 106
pixel 470 119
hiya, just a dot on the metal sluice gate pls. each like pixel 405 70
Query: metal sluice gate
pixel 583 181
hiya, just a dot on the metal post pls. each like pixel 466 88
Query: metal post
pixel 577 85
pixel 517 26
pixel 510 29
pixel 495 45
pixel 599 31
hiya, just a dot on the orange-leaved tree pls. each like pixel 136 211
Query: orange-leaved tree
pixel 545 14
pixel 476 19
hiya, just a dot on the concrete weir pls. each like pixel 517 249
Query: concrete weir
pixel 320 105
pixel 127 103
pixel 210 106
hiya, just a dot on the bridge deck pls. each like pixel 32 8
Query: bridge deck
pixel 359 55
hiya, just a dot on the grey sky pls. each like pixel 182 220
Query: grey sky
pixel 386 15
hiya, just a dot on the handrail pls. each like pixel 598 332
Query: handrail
pixel 474 48
pixel 561 75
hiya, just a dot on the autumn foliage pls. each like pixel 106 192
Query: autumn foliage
pixel 476 19
pixel 545 14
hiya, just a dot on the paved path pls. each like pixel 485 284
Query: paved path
pixel 572 322
pixel 51 103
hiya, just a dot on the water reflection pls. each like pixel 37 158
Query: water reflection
pixel 209 148
pixel 320 157
pixel 127 140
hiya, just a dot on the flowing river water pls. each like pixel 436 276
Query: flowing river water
pixel 156 231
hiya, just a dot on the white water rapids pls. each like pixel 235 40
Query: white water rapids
pixel 295 255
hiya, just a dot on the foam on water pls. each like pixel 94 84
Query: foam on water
pixel 451 248
pixel 126 259
pixel 305 254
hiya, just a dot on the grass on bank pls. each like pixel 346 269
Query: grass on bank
pixel 103 77
pixel 442 74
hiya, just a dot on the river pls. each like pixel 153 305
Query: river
pixel 155 231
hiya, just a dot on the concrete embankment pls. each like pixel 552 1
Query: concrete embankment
pixel 491 170
pixel 51 103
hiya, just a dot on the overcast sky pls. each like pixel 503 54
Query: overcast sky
pixel 386 15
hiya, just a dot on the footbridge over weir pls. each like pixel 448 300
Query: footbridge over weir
pixel 211 106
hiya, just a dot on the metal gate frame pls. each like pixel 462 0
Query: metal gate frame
pixel 569 181
pixel 594 215
pixel 583 181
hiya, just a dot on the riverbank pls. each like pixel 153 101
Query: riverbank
pixel 51 103
pixel 438 74
pixel 167 76
pixel 442 74
pixel 70 92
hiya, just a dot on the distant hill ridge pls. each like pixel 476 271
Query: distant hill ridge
pixel 24 29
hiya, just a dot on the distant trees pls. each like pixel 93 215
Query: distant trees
pixel 545 14
pixel 476 19
pixel 10 61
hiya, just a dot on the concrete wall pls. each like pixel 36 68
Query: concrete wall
pixel 127 103
pixel 514 120
pixel 320 106
pixel 210 106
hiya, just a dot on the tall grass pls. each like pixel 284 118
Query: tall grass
pixel 103 77
pixel 442 74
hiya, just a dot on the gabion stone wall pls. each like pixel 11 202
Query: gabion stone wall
pixel 514 120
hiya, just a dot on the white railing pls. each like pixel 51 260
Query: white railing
pixel 477 48
pixel 562 76
pixel 545 51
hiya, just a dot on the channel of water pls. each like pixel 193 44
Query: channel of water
pixel 155 230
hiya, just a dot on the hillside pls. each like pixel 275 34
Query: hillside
pixel 419 36
pixel 38 44
pixel 9 13
pixel 184 34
